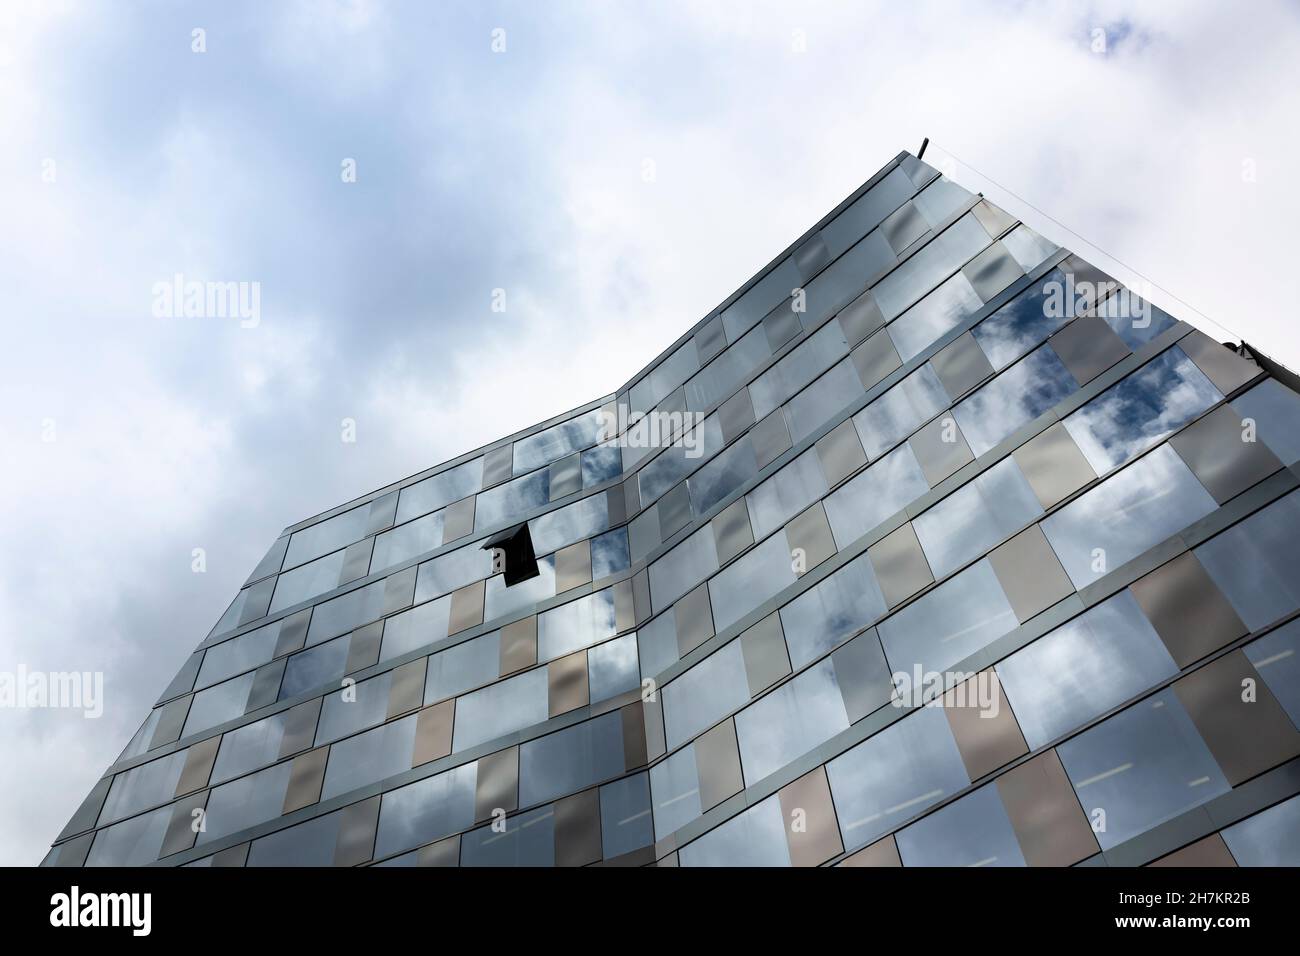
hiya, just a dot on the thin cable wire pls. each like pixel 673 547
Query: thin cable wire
pixel 1155 285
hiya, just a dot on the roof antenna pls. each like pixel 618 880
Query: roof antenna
pixel 921 152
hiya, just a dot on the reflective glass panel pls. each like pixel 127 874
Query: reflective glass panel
pixel 1140 410
pixel 1127 513
pixel 1084 668
pixel 1142 767
pixel 894 775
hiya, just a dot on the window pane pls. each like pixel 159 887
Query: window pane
pixel 799 367
pixel 947 625
pixel 528 840
pixel 501 709
pixel 682 568
pixel 562 527
pixel 1017 396
pixel 218 704
pixel 573 626
pixel 369 757
pixel 1140 410
pixel 322 664
pixel 601 464
pixel 1275 410
pixel 439 490
pixel 882 489
pixel 665 377
pixel 345 612
pixel 910 765
pixel 1131 323
pixel 510 501
pixel 609 554
pixel 134 842
pixel 406 541
pixel 816 404
pixel 900 411
pixel 832 611
pixel 571 759
pixel 245 802
pixel 975 517
pixel 1084 668
pixel 147 785
pixel 365 704
pixel 704 694
pixel 462 668
pixel 789 722
pixel 557 441
pixel 449 571
pixel 317 577
pixel 1142 767
pixel 625 819
pixel 1023 323
pixel 1277 658
pixel 720 477
pixel 612 668
pixel 249 747
pixel 973 831
pixel 308 844
pixel 943 309
pixel 426 810
pixel 1127 513
pixel 1271 838
pixel 328 535
pixel 753 838
pixel 674 464
pixel 728 371
pixel 785 494
pixel 924 270
pixel 675 783
pixel 756 576
pixel 238 655
pixel 1254 563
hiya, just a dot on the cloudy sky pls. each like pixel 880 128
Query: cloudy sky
pixel 126 158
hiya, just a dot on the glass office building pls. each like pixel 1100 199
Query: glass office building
pixel 965 556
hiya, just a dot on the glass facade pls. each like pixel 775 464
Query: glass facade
pixel 909 553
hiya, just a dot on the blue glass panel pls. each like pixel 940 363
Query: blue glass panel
pixel 1254 563
pixel 1129 512
pixel 1270 838
pixel 1140 410
pixel 426 810
pixel 1141 767
pixel 625 818
pixel 704 694
pixel 1277 658
pixel 900 411
pixel 1275 409
pixel 1084 668
pixel 753 838
pixel 1021 324
pixel 890 777
pixel 790 721
pixel 945 626
pixel 1018 395
pixel 832 611
pixel 873 495
pixel 973 831
pixel 572 759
